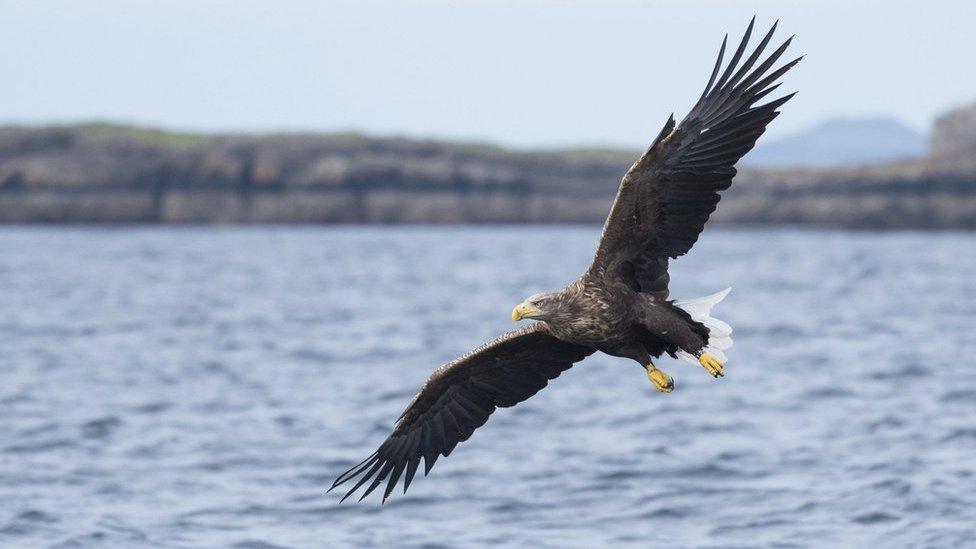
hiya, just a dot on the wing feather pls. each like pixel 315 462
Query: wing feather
pixel 411 471
pixel 667 196
pixel 457 399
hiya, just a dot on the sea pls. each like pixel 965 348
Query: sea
pixel 203 386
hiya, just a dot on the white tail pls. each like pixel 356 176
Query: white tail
pixel 719 333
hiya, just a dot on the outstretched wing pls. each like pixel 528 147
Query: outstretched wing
pixel 458 398
pixel 667 196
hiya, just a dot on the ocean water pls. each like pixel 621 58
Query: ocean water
pixel 164 387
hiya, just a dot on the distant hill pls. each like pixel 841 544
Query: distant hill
pixel 841 142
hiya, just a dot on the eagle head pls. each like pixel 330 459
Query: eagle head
pixel 538 306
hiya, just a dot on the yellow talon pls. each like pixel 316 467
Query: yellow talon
pixel 662 381
pixel 712 365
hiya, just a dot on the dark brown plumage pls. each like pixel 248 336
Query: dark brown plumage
pixel 620 305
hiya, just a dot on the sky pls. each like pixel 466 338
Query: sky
pixel 520 73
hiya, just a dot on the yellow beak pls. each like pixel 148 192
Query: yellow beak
pixel 524 310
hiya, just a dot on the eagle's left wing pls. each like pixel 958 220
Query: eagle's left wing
pixel 667 196
pixel 458 398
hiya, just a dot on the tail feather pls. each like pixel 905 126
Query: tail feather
pixel 700 307
pixel 719 332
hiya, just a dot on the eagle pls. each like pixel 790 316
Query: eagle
pixel 620 305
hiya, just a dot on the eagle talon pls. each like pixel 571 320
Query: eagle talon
pixel 661 380
pixel 712 365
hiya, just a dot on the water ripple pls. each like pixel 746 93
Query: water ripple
pixel 202 387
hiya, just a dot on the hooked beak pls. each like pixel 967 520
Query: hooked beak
pixel 524 310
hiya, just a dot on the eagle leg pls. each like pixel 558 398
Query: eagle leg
pixel 661 380
pixel 638 352
pixel 711 364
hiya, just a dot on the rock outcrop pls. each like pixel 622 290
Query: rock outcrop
pixel 955 131
pixel 117 174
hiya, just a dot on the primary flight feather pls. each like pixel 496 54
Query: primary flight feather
pixel 620 305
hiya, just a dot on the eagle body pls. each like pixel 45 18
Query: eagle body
pixel 621 305
pixel 612 318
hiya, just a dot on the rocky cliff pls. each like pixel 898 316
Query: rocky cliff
pixel 118 174
pixel 955 131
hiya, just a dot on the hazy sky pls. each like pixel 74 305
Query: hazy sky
pixel 526 73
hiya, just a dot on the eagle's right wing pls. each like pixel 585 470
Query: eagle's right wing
pixel 666 197
pixel 459 397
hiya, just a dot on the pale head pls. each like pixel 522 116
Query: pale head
pixel 537 306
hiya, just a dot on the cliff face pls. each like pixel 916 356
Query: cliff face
pixel 112 174
pixel 955 131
